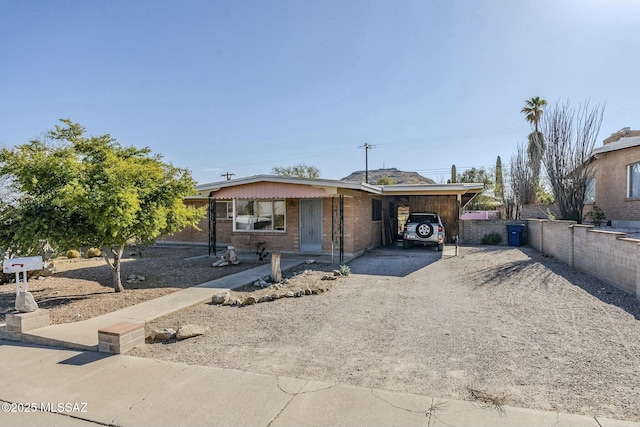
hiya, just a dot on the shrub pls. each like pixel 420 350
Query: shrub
pixel 94 253
pixel 345 270
pixel 596 216
pixel 73 254
pixel 492 239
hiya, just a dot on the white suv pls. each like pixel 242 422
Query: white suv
pixel 424 228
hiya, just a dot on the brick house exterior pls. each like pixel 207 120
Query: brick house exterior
pixel 298 215
pixel 616 169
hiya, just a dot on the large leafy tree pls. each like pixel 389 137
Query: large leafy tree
pixel 481 201
pixel 299 171
pixel 73 190
pixel 533 110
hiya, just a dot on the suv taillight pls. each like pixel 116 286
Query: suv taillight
pixel 439 229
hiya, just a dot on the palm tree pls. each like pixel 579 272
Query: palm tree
pixel 535 150
pixel 533 111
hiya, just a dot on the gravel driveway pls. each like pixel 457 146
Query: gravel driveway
pixel 502 320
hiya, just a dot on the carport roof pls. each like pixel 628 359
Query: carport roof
pixel 270 186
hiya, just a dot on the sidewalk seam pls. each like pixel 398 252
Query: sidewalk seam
pixel 293 396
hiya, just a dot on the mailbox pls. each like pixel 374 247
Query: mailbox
pixel 22 265
pixel 19 265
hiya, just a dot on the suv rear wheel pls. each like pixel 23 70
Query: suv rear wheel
pixel 424 230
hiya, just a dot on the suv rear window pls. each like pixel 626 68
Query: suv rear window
pixel 433 219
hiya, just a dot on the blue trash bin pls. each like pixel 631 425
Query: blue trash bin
pixel 514 231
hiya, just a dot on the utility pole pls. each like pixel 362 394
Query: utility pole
pixel 228 175
pixel 367 147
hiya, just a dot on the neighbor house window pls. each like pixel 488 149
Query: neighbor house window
pixel 263 215
pixel 634 180
pixel 224 210
pixel 590 191
pixel 376 210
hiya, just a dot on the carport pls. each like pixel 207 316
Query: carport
pixel 445 199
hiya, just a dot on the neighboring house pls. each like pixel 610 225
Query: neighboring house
pixel 615 186
pixel 316 216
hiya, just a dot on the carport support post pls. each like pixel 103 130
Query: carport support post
pixel 458 201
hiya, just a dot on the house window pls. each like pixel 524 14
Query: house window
pixel 376 210
pixel 634 180
pixel 224 210
pixel 259 215
pixel 590 190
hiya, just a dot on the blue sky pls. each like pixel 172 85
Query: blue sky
pixel 242 86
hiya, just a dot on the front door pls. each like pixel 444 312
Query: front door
pixel 311 225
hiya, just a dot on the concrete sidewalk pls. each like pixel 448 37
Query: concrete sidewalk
pixel 76 388
pixel 84 335
pixel 45 386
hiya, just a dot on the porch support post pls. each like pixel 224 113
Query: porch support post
pixel 341 225
pixel 212 226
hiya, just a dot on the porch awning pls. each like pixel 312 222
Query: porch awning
pixel 272 190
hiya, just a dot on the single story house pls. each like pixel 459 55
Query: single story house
pixel 316 216
pixel 615 185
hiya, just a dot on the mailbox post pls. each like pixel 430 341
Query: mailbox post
pixel 24 299
pixel 22 265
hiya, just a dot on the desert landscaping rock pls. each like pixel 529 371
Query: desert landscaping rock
pixel 249 300
pixel 134 278
pixel 190 331
pixel 501 321
pixel 220 298
pixel 25 303
pixel 163 334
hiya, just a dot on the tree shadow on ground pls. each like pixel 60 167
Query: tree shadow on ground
pixel 524 269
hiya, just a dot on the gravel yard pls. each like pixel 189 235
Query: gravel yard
pixel 81 288
pixel 502 320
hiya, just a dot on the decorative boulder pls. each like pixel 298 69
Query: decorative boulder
pixel 162 334
pixel 25 303
pixel 220 298
pixel 231 255
pixel 249 301
pixel 190 330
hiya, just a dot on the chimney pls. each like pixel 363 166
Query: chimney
pixel 622 133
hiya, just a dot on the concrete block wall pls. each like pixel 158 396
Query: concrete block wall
pixel 23 322
pixel 473 230
pixel 557 238
pixel 534 233
pixel 609 256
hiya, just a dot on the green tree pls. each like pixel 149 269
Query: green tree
pixel 77 191
pixel 454 176
pixel 535 150
pixel 385 180
pixel 299 171
pixel 533 111
pixel 499 188
pixel 482 201
pixel 477 175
